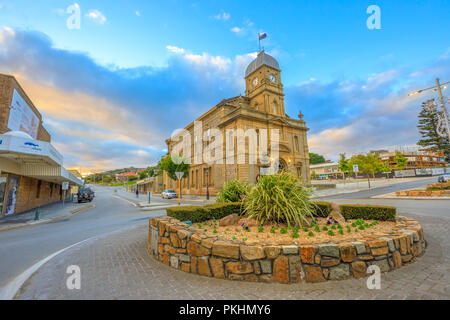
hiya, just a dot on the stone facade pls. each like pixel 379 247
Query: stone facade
pixel 179 246
pixel 261 108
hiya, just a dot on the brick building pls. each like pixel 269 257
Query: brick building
pixel 31 169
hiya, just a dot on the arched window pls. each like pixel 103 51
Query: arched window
pixel 274 108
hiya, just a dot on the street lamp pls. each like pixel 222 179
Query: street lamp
pixel 443 119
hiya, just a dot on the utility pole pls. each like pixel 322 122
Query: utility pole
pixel 443 124
pixel 207 183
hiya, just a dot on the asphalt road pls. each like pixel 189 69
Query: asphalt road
pixel 19 249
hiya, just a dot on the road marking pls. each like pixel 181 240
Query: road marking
pixel 119 197
pixel 9 291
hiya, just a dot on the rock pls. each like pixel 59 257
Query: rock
pixel 406 258
pixel 174 240
pixel 252 252
pixel 238 267
pixel 291 249
pixel 403 245
pixel 330 250
pixel 397 259
pixel 248 222
pixel 186 267
pixel 183 257
pixel 281 269
pixel 195 249
pixel 416 249
pixel 229 220
pixel 382 264
pixel 225 249
pixel 313 274
pixel 336 212
pixel 273 251
pixel 359 269
pixel 379 251
pixel 307 254
pixel 193 264
pixel 257 268
pixel 341 271
pixel 174 262
pixel 266 266
pixel 294 268
pixel 360 247
pixel 329 262
pixel 348 253
pixel 217 268
pixel 377 243
pixel 183 234
pixel 203 266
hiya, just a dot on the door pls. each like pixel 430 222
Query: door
pixel 3 181
pixel 11 196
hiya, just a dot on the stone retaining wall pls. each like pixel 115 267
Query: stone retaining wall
pixel 181 247
pixel 423 193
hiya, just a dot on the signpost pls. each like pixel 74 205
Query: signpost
pixel 179 176
pixel 65 187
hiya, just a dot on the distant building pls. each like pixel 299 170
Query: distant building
pixel 31 169
pixel 417 159
pixel 125 176
pixel 325 170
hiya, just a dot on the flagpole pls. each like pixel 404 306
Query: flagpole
pixel 259 42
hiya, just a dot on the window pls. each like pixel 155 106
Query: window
pixel 274 107
pixel 38 190
pixel 296 143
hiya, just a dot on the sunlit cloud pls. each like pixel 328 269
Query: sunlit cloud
pixel 175 49
pixel 222 16
pixel 97 16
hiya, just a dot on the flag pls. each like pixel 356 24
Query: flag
pixel 262 36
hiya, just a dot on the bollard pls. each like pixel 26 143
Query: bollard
pixel 36 214
pixel 149 197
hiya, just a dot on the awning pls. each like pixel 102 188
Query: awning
pixel 33 158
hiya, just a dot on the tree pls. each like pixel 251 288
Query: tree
pixel 401 162
pixel 344 166
pixel 166 164
pixel 386 168
pixel 313 175
pixel 368 164
pixel 316 158
pixel 142 175
pixel 428 123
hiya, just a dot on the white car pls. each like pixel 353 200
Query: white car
pixel 168 194
pixel 444 178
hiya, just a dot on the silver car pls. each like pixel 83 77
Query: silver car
pixel 444 178
pixel 168 194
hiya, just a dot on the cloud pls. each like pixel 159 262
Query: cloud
pixel 104 118
pixel 97 16
pixel 236 29
pixel 138 13
pixel 222 16
pixel 175 49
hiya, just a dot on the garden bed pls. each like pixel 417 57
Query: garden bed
pixel 281 258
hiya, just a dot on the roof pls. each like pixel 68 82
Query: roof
pixel 321 165
pixel 262 59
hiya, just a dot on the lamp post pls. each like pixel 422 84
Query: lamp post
pixel 207 184
pixel 443 124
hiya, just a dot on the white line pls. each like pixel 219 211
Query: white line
pixel 9 291
pixel 119 197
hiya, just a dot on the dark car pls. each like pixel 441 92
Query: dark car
pixel 85 194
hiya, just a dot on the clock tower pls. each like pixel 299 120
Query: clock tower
pixel 263 85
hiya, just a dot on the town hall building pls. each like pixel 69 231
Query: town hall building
pixel 262 107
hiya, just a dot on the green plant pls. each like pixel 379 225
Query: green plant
pixel 244 239
pixel 333 227
pixel 305 229
pixel 368 212
pixel 279 198
pixel 325 228
pixel 199 225
pixel 330 233
pixel 316 229
pixel 233 191
pixel 340 231
pixel 272 230
pixel 203 213
pixel 260 228
pixel 361 228
pixel 295 234
pixel 233 238
pixel 311 234
pixel 283 231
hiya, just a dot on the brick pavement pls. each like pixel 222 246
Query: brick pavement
pixel 118 267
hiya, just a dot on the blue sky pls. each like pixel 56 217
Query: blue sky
pixel 159 64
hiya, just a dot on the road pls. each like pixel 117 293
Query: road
pixel 22 248
pixel 19 249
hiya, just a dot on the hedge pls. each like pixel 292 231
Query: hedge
pixel 321 208
pixel 368 212
pixel 202 213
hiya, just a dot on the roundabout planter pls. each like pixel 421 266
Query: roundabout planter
pixel 184 247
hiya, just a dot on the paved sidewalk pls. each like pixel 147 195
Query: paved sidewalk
pixel 48 213
pixel 118 267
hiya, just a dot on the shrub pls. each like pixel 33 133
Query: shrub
pixel 201 213
pixel 233 191
pixel 279 198
pixel 321 208
pixel 368 212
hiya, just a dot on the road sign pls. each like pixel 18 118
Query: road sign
pixel 355 168
pixel 65 185
pixel 179 175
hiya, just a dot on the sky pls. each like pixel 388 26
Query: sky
pixel 112 90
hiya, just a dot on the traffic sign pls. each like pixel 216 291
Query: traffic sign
pixel 179 175
pixel 65 185
pixel 355 168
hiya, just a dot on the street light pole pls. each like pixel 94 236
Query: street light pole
pixel 443 107
pixel 207 183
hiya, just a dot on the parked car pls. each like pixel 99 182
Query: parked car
pixel 168 194
pixel 444 178
pixel 85 194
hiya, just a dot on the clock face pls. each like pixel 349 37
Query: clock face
pixel 272 78
pixel 255 82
